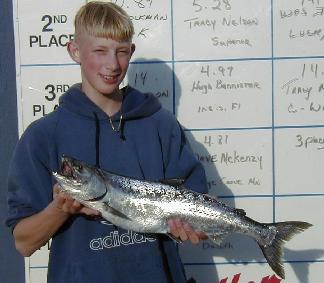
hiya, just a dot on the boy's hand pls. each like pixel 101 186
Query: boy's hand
pixel 183 231
pixel 68 205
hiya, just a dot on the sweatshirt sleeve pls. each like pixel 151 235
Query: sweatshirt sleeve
pixel 29 176
pixel 180 160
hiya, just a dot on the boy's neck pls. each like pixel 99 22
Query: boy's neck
pixel 110 103
pixel 110 106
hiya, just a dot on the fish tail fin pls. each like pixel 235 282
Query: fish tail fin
pixel 274 251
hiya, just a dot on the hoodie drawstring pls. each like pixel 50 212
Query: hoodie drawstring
pixel 98 146
pixel 122 135
pixel 165 261
pixel 97 140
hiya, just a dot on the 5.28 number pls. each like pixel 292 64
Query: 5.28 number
pixel 217 5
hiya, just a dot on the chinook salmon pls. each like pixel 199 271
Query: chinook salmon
pixel 146 206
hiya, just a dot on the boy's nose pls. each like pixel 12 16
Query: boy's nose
pixel 111 62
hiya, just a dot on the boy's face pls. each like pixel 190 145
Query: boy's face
pixel 104 63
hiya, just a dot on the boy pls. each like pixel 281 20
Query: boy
pixel 119 130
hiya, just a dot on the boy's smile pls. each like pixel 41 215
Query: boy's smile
pixel 104 63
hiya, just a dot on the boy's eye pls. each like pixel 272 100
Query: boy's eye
pixel 123 51
pixel 99 50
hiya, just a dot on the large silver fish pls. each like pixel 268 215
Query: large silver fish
pixel 146 206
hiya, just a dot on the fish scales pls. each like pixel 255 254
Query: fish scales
pixel 172 201
pixel 154 198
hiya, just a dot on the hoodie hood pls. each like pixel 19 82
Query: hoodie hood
pixel 135 104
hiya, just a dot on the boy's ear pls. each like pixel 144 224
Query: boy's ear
pixel 73 49
pixel 133 47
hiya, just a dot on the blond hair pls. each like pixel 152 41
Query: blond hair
pixel 104 19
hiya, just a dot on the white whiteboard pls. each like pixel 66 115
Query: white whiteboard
pixel 245 78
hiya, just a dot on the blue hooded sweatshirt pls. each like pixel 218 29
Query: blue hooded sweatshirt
pixel 150 145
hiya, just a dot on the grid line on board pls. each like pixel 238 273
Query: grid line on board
pixel 189 61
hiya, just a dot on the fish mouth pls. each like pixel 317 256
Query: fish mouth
pixel 68 171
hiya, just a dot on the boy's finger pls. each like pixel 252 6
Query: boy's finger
pixel 201 235
pixel 89 211
pixel 193 237
pixel 56 189
pixel 182 233
pixel 173 228
pixel 73 206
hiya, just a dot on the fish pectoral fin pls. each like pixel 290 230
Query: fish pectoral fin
pixel 217 238
pixel 175 182
pixel 114 211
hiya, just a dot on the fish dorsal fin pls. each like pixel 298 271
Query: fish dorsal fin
pixel 240 211
pixel 174 182
pixel 114 211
